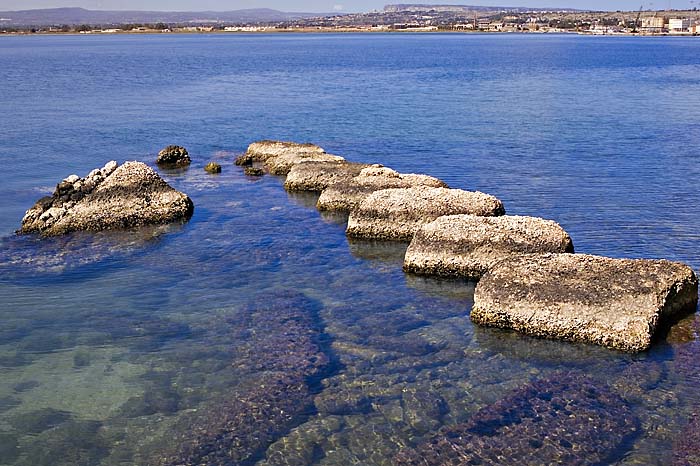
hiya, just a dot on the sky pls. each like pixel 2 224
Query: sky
pixel 331 5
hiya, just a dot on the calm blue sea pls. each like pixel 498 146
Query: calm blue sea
pixel 109 342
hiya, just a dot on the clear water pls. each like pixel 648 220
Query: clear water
pixel 109 342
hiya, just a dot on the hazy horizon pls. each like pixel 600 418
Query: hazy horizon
pixel 324 6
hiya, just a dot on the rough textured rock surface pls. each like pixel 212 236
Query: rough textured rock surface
pixel 173 156
pixel 260 151
pixel 317 176
pixel 212 167
pixel 566 419
pixel 285 352
pixel 396 214
pixel 617 303
pixel 278 157
pixel 113 197
pixel 347 195
pixel 468 245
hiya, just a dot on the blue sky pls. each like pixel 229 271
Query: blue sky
pixel 329 5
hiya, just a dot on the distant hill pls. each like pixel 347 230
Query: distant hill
pixel 73 16
pixel 418 7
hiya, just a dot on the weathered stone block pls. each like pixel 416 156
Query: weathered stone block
pixel 468 245
pixel 317 176
pixel 346 195
pixel 396 214
pixel 617 303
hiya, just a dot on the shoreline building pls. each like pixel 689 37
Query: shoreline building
pixel 679 25
pixel 653 24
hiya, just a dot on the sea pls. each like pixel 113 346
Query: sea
pixel 135 347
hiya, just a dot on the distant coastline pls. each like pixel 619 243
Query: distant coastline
pixel 418 18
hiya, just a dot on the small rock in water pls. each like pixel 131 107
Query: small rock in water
pixel 212 167
pixel 174 156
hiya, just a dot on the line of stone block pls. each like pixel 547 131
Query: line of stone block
pixel 530 280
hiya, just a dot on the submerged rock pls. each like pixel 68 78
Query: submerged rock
pixel 396 214
pixel 173 156
pixel 617 303
pixel 567 419
pixel 468 245
pixel 686 450
pixel 212 167
pixel 285 357
pixel 317 176
pixel 346 195
pixel 113 197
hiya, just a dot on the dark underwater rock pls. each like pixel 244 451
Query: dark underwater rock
pixel 686 450
pixel 284 355
pixel 9 447
pixel 173 156
pixel 40 420
pixel 566 419
pixel 73 443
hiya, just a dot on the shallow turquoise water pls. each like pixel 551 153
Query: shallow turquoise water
pixel 111 344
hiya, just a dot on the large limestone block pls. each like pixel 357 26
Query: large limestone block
pixel 396 214
pixel 278 157
pixel 346 195
pixel 468 245
pixel 113 197
pixel 260 151
pixel 317 176
pixel 617 303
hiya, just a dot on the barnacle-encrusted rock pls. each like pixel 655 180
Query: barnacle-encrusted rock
pixel 260 151
pixel 396 214
pixel 278 157
pixel 173 156
pixel 617 303
pixel 468 245
pixel 346 195
pixel 284 355
pixel 113 197
pixel 212 167
pixel 317 176
pixel 567 419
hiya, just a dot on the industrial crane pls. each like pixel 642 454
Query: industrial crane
pixel 636 21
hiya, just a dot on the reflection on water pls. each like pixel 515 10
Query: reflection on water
pixel 257 333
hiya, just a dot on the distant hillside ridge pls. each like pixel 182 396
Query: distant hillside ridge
pixel 74 16
pixel 422 7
